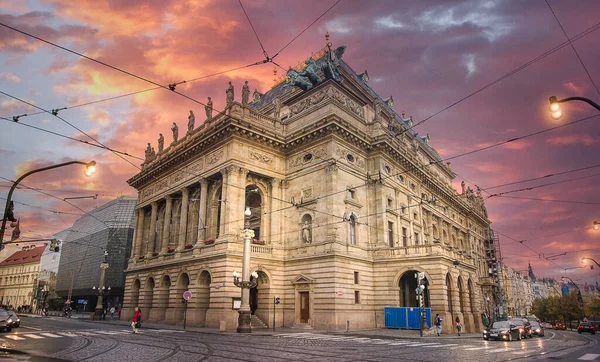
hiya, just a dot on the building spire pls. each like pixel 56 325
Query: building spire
pixel 530 272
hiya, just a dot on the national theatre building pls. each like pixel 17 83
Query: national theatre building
pixel 347 203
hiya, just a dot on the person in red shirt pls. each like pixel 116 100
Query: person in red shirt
pixel 137 319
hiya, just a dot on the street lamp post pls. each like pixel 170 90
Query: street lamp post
pixel 596 225
pixel 245 284
pixel 579 297
pixel 102 290
pixel 556 113
pixel 585 259
pixel 90 169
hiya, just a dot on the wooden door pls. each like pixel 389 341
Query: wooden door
pixel 304 307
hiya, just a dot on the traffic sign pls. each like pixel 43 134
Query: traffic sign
pixel 187 295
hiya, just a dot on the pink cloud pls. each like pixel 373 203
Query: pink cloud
pixel 585 140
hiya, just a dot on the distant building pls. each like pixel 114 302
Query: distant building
pixel 18 276
pixel 46 289
pixel 108 227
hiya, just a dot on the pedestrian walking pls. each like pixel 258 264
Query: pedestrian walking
pixel 112 312
pixel 458 325
pixel 438 324
pixel 136 322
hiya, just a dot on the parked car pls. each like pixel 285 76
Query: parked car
pixel 502 330
pixel 16 321
pixel 537 329
pixel 5 321
pixel 586 327
pixel 524 326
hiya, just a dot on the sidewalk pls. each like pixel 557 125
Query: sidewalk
pixel 382 333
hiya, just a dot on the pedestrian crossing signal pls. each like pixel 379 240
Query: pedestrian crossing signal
pixel 277 301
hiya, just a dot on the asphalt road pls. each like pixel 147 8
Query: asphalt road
pixel 57 338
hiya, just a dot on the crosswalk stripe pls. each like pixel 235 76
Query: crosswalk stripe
pixel 589 356
pixel 14 337
pixel 442 345
pixel 86 333
pixel 498 350
pixel 50 335
pixel 522 352
pixel 33 336
pixel 474 348
pixel 66 334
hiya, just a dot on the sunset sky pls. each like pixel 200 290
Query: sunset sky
pixel 427 54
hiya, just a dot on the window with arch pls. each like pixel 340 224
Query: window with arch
pixel 254 202
pixel 352 229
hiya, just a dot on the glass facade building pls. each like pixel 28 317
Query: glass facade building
pixel 108 227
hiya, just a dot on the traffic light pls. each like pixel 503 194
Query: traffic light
pixel 10 215
pixel 277 300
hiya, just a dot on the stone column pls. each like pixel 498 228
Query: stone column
pixel 202 222
pixel 275 216
pixel 185 193
pixel 139 233
pixel 167 224
pixel 223 202
pixel 152 234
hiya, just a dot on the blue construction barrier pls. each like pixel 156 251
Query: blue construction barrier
pixel 405 318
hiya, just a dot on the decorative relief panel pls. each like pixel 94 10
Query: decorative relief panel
pixel 342 153
pixel 307 193
pixel 329 93
pixel 214 157
pixel 260 157
pixel 320 153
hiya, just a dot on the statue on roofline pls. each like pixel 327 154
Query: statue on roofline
pixel 230 94
pixel 175 130
pixel 245 93
pixel 208 109
pixel 161 142
pixel 191 121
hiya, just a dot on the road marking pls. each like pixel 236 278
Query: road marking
pixel 474 348
pixel 35 329
pixel 498 350
pixel 14 337
pixel 589 356
pixel 522 352
pixel 33 336
pixel 67 334
pixel 442 345
pixel 50 335
pixel 86 333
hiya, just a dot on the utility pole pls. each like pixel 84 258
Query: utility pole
pixel 71 288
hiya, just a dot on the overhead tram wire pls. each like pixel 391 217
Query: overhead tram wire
pixel 305 29
pixel 541 177
pixel 70 138
pixel 70 124
pixel 543 185
pixel 550 200
pixel 254 30
pixel 573 47
pixel 505 76
pixel 140 91
pixel 44 209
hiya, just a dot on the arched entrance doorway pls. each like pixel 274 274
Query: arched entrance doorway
pixel 408 290
pixel 135 293
pixel 148 295
pixel 449 293
pixel 260 297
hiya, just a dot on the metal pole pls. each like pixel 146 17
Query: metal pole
pixel 274 305
pixel 14 185
pixel 185 313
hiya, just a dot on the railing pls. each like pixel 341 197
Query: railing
pixel 261 249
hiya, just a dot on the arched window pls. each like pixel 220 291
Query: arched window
pixel 352 226
pixel 254 202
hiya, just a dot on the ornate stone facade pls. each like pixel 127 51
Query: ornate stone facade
pixel 342 210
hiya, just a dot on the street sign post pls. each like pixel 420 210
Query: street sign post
pixel 187 295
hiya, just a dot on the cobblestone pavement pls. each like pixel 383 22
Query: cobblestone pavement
pixel 74 340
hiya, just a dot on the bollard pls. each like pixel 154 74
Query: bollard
pixel 347 326
pixel 222 326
